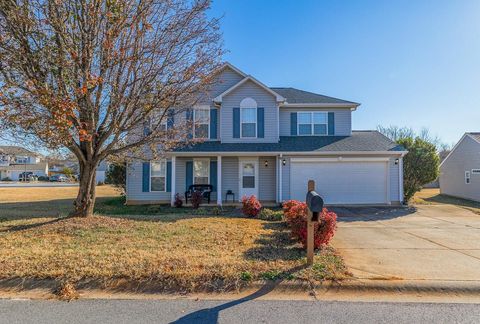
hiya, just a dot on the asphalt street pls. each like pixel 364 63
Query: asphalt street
pixel 236 311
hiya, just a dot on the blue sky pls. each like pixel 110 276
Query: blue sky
pixel 409 63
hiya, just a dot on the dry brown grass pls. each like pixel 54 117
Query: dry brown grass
pixel 174 253
pixel 12 195
pixel 430 196
pixel 44 201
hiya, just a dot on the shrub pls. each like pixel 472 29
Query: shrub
pixel 270 215
pixel 100 183
pixel 246 276
pixel 116 175
pixel 196 199
pixel 178 201
pixel 251 206
pixel 202 211
pixel 295 213
pixel 6 179
pixel 43 178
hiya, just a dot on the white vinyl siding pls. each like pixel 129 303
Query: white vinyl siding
pixel 266 176
pixel 264 100
pixel 343 120
pixel 134 186
pixel 465 157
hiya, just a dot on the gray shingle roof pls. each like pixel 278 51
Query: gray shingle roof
pixel 16 150
pixel 359 141
pixel 299 96
pixel 475 135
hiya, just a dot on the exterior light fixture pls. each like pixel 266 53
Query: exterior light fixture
pixel 266 163
pixel 284 162
pixel 396 161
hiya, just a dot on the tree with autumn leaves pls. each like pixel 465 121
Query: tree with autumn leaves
pixel 87 75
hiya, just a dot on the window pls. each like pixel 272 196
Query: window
pixel 158 176
pixel 21 159
pixel 475 171
pixel 201 172
pixel 467 177
pixel 248 178
pixel 248 122
pixel 201 122
pixel 312 123
pixel 163 125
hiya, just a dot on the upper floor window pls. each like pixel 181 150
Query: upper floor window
pixel 201 122
pixel 312 123
pixel 201 171
pixel 148 124
pixel 21 159
pixel 158 176
pixel 248 117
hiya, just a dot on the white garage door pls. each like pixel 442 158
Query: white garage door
pixel 341 182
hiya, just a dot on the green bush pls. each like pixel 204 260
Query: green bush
pixel 246 276
pixel 270 215
pixel 420 165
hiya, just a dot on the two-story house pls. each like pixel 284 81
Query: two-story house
pixel 14 160
pixel 269 142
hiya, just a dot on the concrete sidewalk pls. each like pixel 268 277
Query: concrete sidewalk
pixel 429 245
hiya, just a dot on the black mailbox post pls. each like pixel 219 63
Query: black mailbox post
pixel 315 204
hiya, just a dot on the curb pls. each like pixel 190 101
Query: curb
pixel 376 285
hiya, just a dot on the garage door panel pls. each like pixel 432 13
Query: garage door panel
pixel 341 182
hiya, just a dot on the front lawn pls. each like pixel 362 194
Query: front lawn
pixel 429 196
pixel 160 250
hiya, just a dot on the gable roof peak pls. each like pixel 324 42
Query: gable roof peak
pixel 229 65
pixel 278 97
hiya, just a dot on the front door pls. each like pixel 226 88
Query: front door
pixel 248 177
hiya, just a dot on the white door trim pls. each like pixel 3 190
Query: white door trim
pixel 242 160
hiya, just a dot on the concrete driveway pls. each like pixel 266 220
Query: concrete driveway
pixel 428 242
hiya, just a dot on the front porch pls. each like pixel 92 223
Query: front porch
pixel 265 203
pixel 232 177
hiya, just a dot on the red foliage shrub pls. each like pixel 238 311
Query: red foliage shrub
pixel 295 213
pixel 251 206
pixel 196 199
pixel 178 201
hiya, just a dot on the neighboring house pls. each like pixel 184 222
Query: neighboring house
pixel 269 142
pixel 100 175
pixel 15 159
pixel 57 166
pixel 460 171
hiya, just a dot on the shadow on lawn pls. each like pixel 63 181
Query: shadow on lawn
pixel 444 199
pixel 108 206
pixel 277 245
pixel 17 228
pixel 38 209
pixel 210 315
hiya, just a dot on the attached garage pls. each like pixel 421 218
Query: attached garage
pixel 342 181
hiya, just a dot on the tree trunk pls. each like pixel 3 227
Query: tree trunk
pixel 86 192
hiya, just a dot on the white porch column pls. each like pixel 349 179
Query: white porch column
pixel 280 176
pixel 173 190
pixel 219 180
